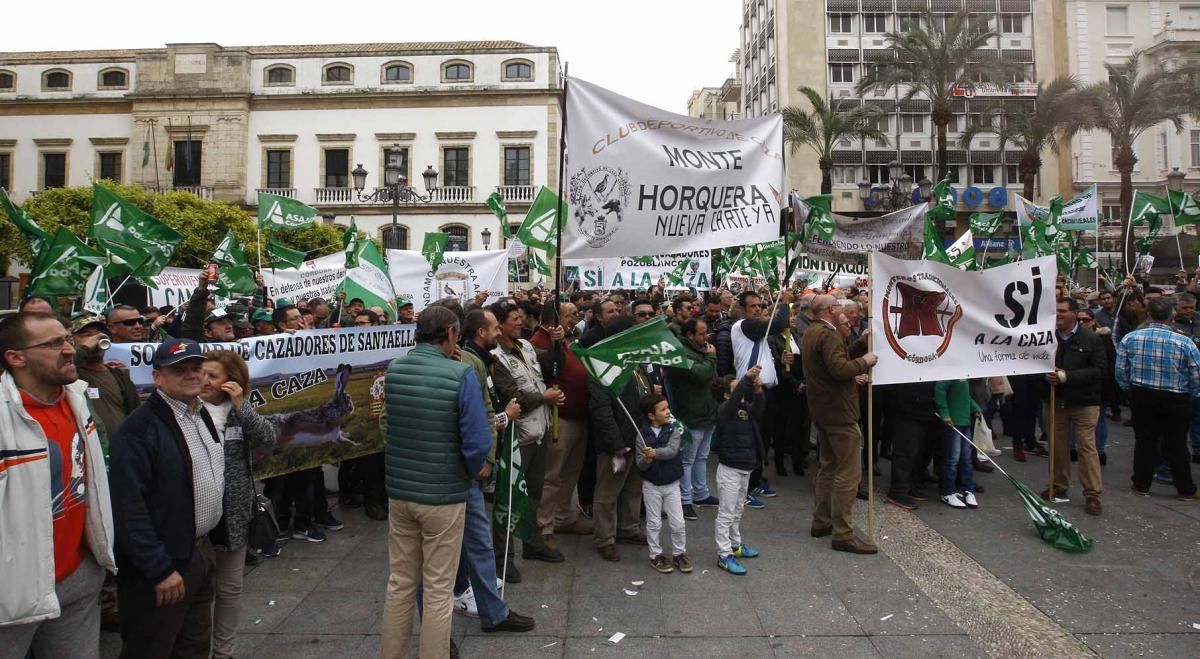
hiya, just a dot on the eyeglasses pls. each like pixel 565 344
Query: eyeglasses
pixel 643 314
pixel 53 344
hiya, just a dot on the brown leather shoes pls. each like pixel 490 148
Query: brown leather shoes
pixel 1093 506
pixel 855 546
pixel 821 532
pixel 549 541
pixel 609 553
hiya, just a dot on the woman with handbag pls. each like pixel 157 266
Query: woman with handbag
pixel 243 432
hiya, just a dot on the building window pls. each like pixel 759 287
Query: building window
pixel 983 174
pixel 841 23
pixel 1162 148
pixel 6 171
pixel 56 81
pixel 337 74
pixel 875 23
pixel 912 123
pixel 1012 174
pixel 1189 18
pixel 456 166
pixel 917 172
pixel 397 73
pixel 878 174
pixel 841 73
pixel 844 175
pixel 337 168
pixel 54 170
pixel 1020 75
pixel 954 174
pixel 281 75
pixel 909 22
pixel 1116 21
pixel 516 165
pixel 186 171
pixel 279 168
pixel 114 79
pixel 1195 148
pixel 8 81
pixel 395 237
pixel 459 237
pixel 980 23
pixel 1012 23
pixel 110 166
pixel 456 72
pixel 1111 213
pixel 518 71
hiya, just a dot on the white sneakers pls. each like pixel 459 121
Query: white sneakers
pixel 964 500
pixel 465 604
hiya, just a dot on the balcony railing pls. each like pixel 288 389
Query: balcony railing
pixel 333 195
pixel 518 194
pixel 202 191
pixel 448 195
pixel 290 193
pixel 457 194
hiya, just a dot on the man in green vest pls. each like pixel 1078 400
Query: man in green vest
pixel 437 442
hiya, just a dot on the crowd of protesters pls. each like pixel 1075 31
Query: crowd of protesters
pixel 163 488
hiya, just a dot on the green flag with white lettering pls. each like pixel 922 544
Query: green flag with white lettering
pixel 95 292
pixel 932 248
pixel 282 256
pixel 613 360
pixel 512 507
pixel 140 243
pixel 495 203
pixel 434 249
pixel 368 279
pixel 984 224
pixel 63 266
pixel 277 213
pixel 36 235
pixel 943 207
pixel 542 222
pixel 962 252
pixel 1184 207
pixel 234 277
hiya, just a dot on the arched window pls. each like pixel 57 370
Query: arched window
pixel 459 237
pixel 56 80
pixel 456 72
pixel 518 70
pixel 8 81
pixel 114 79
pixel 281 75
pixel 337 74
pixel 397 72
pixel 395 237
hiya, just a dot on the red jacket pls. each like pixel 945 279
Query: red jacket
pixel 572 380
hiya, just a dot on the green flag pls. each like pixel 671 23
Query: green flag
pixel 434 249
pixel 228 252
pixel 1147 209
pixel 538 262
pixel 613 360
pixel 282 256
pixel 814 217
pixel 145 153
pixel 495 203
pixel 1184 207
pixel 277 213
pixel 36 235
pixel 675 277
pixel 542 222
pixel 234 277
pixel 134 237
pixel 368 279
pixel 1086 259
pixel 1051 525
pixel 932 248
pixel 516 516
pixel 63 267
pixel 944 207
pixel 351 234
pixel 984 224
pixel 95 292
pixel 962 252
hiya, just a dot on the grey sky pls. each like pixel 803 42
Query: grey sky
pixel 656 51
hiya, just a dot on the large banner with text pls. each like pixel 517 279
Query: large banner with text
pixel 844 250
pixel 461 275
pixel 322 390
pixel 643 181
pixel 935 322
pixel 642 273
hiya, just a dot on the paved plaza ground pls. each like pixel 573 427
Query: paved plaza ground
pixel 947 583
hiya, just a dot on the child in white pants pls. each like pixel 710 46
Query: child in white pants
pixel 661 464
pixel 739 447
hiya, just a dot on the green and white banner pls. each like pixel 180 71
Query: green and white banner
pixel 277 213
pixel 641 273
pixel 321 389
pixel 899 234
pixel 1080 214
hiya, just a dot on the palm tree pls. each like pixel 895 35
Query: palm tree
pixel 825 125
pixel 1035 127
pixel 1133 100
pixel 935 59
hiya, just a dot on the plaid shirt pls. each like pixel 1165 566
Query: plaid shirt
pixel 208 463
pixel 1155 357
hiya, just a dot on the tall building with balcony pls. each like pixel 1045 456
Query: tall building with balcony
pixel 1168 34
pixel 784 47
pixel 227 123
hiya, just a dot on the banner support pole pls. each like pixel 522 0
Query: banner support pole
pixel 870 429
pixel 512 429
pixel 562 175
pixel 1053 442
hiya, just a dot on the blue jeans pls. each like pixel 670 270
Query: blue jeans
pixel 693 485
pixel 477 562
pixel 956 462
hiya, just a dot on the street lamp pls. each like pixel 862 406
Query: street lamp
pixel 487 239
pixel 897 193
pixel 395 189
pixel 1175 179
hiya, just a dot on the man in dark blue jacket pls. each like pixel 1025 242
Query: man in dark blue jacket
pixel 168 477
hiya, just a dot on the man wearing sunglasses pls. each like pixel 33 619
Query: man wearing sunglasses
pixel 125 324
pixel 55 512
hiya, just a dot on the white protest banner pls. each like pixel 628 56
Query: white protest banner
pixel 642 273
pixel 175 286
pixel 460 275
pixel 315 278
pixel 737 282
pixel 1080 214
pixel 644 181
pixel 935 322
pixel 900 234
pixel 322 390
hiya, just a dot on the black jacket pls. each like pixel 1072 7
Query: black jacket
pixel 1085 360
pixel 911 400
pixel 153 499
pixel 790 377
pixel 738 442
pixel 612 429
pixel 724 343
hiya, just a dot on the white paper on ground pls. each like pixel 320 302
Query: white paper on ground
pixel 616 638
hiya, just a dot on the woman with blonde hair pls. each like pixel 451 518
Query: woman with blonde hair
pixel 243 432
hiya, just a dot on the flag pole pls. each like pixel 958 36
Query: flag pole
pixel 1097 253
pixel 1053 441
pixel 512 429
pixel 154 144
pixel 562 175
pixel 1178 247
pixel 870 428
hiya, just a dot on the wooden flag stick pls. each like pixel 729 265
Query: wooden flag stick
pixel 1053 441
pixel 870 429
